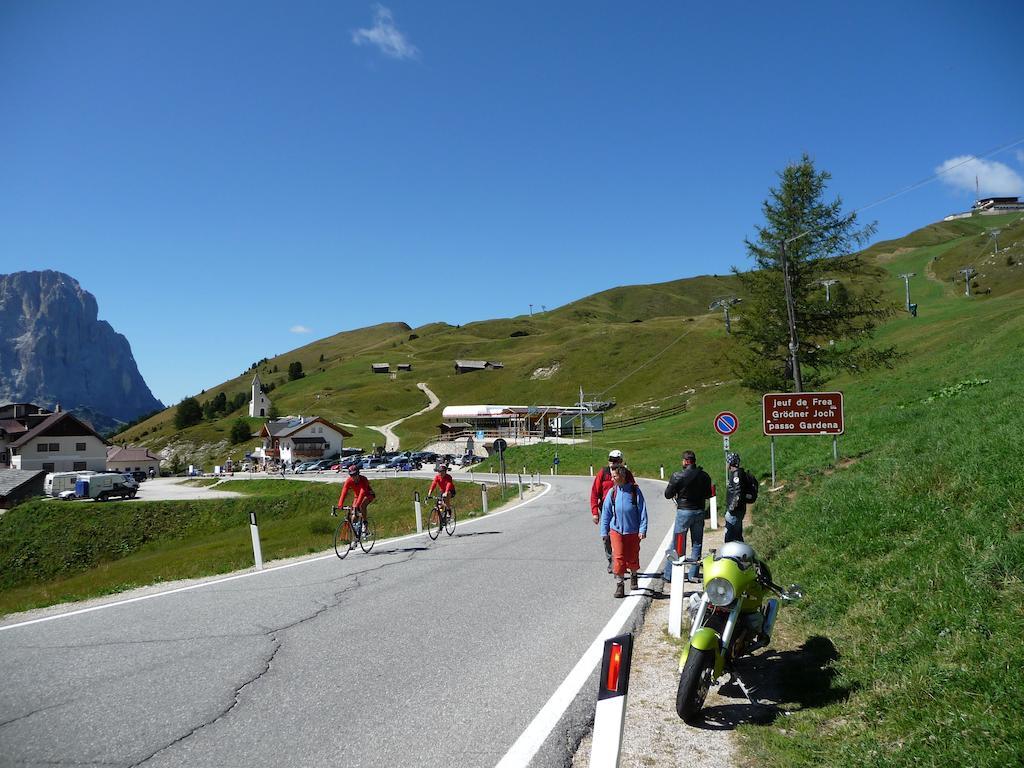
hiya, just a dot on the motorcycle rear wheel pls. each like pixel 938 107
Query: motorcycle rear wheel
pixel 694 683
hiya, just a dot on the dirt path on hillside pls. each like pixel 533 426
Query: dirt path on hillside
pixel 391 440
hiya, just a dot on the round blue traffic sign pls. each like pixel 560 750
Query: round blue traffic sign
pixel 726 423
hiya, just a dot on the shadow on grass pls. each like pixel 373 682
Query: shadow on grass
pixel 777 681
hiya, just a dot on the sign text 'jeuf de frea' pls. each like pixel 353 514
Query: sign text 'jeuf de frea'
pixel 803 413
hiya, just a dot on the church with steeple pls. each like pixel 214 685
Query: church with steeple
pixel 259 404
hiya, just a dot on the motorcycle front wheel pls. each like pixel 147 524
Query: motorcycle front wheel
pixel 694 683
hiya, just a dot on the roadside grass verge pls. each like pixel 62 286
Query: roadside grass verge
pixel 52 552
pixel 912 561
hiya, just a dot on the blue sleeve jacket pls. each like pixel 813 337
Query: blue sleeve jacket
pixel 624 511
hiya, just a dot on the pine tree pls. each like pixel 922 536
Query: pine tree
pixel 819 241
pixel 188 413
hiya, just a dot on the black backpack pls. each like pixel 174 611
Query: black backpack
pixel 750 487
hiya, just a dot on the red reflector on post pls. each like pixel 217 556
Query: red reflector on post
pixel 614 663
pixel 680 538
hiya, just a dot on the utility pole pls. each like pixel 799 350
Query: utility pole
pixel 794 342
pixel 994 234
pixel 725 303
pixel 968 273
pixel 828 284
pixel 906 283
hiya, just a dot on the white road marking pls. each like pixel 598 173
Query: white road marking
pixel 247 574
pixel 530 741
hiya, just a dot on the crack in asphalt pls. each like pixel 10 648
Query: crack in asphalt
pixel 33 712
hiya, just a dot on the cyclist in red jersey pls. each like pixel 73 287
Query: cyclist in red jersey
pixel 444 483
pixel 362 493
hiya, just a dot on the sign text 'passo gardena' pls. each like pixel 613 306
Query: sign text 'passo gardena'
pixel 803 413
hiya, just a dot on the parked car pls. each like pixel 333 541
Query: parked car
pixel 425 457
pixel 139 476
pixel 105 485
pixel 467 460
pixel 305 466
pixel 371 462
pixel 324 464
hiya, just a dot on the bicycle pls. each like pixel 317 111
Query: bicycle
pixel 349 532
pixel 440 517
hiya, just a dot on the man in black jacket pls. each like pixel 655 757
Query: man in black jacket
pixel 741 490
pixel 690 488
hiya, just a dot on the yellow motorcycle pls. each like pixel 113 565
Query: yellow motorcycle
pixel 729 619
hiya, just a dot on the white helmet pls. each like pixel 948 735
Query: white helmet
pixel 616 454
pixel 740 552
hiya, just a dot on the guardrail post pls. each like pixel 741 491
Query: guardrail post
pixel 520 487
pixel 661 470
pixel 419 512
pixel 483 496
pixel 675 598
pixel 610 713
pixel 714 509
pixel 591 470
pixel 257 550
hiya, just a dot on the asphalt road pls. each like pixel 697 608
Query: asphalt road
pixel 421 653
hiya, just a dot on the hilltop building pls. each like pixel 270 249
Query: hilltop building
pixel 513 422
pixel 989 206
pixel 292 439
pixel 259 403
pixel 466 366
pixel 380 367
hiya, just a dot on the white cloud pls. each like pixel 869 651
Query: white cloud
pixel 993 178
pixel 386 36
pixel 1020 156
pixel 300 329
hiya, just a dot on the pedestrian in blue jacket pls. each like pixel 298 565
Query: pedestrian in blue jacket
pixel 624 523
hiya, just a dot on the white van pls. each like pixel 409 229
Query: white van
pixel 106 485
pixel 58 482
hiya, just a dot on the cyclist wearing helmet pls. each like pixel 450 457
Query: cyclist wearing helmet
pixel 599 490
pixel 362 493
pixel 444 483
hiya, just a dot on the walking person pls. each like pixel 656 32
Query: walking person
pixel 741 490
pixel 603 483
pixel 624 526
pixel 691 488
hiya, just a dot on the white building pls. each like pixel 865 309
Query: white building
pixel 259 403
pixel 57 442
pixel 132 458
pixel 299 438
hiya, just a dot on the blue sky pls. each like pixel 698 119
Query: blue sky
pixel 232 180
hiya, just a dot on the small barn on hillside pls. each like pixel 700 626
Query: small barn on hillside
pixel 466 366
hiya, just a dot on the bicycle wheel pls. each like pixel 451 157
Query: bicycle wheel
pixel 434 523
pixel 449 523
pixel 369 536
pixel 343 538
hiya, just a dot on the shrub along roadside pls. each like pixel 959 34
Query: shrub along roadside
pixel 53 552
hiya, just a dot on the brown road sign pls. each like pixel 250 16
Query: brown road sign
pixel 803 413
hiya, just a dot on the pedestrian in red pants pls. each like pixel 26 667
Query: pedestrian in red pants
pixel 624 523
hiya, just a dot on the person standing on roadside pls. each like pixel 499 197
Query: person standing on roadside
pixel 603 483
pixel 624 526
pixel 741 490
pixel 691 488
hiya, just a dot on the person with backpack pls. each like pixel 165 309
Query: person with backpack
pixel 603 483
pixel 690 488
pixel 742 490
pixel 624 526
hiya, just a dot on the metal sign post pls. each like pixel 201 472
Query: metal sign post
pixel 726 424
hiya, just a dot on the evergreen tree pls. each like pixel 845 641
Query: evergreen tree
pixel 240 431
pixel 832 336
pixel 188 413
pixel 295 371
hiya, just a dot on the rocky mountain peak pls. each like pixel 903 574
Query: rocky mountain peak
pixel 55 349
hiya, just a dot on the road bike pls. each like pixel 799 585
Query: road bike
pixel 440 517
pixel 351 532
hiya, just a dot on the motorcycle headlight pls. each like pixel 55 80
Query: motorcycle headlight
pixel 720 592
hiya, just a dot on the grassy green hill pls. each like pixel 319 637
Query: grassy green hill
pixel 591 343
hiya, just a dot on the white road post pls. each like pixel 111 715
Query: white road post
pixel 483 496
pixel 675 599
pixel 419 512
pixel 257 551
pixel 520 487
pixel 661 471
pixel 610 713
pixel 714 508
pixel 591 470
